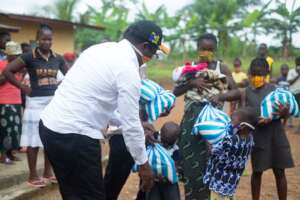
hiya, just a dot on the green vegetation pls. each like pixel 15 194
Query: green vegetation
pixel 162 69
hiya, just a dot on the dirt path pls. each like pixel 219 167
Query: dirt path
pixel 244 193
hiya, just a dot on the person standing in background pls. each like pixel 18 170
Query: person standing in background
pixel 25 47
pixel 241 80
pixel 4 38
pixel 282 80
pixel 294 80
pixel 10 108
pixel 43 66
pixel 263 53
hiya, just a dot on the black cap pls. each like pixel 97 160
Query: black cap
pixel 148 31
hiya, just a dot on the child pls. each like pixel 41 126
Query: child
pixel 228 160
pixel 240 78
pixel 162 188
pixel 271 149
pixel 282 81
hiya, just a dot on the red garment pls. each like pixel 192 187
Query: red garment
pixel 189 68
pixel 9 94
pixel 69 56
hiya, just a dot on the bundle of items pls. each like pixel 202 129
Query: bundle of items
pixel 216 81
pixel 155 100
pixel 270 105
pixel 161 163
pixel 212 125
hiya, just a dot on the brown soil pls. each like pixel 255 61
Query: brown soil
pixel 244 193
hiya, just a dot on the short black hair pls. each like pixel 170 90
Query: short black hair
pixel 43 27
pixel 264 45
pixel 259 66
pixel 4 33
pixel 284 65
pixel 25 44
pixel 207 36
pixel 297 60
pixel 237 60
pixel 246 114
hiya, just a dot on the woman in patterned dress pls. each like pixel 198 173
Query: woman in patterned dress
pixel 10 109
pixel 194 150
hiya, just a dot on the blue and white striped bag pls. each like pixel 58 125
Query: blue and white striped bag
pixel 212 124
pixel 269 104
pixel 155 99
pixel 161 163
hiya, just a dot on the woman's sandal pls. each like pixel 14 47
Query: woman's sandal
pixel 36 183
pixel 51 179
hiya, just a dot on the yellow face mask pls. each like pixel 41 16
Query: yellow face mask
pixel 206 56
pixel 258 81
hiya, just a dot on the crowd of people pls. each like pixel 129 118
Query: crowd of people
pixel 65 107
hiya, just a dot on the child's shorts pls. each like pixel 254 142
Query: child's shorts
pixel 216 196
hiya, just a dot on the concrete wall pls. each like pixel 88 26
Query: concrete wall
pixel 63 40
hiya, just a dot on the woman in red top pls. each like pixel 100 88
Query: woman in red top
pixel 10 108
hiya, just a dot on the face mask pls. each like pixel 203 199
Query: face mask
pixel 206 56
pixel 145 59
pixel 258 81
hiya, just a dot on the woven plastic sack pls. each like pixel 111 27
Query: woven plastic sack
pixel 161 163
pixel 269 105
pixel 212 124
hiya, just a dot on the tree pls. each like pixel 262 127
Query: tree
pixel 284 23
pixel 61 9
pixel 170 24
pixel 217 16
pixel 113 15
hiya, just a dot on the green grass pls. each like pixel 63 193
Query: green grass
pixel 162 69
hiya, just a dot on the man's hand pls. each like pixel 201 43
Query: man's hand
pixel 149 132
pixel 27 90
pixel 146 176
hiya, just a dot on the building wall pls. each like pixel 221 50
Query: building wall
pixel 63 40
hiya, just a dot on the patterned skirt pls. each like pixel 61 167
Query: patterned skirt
pixel 10 128
pixel 30 125
pixel 195 154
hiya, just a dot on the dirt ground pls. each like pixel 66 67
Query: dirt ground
pixel 244 193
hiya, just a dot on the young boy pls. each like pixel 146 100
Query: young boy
pixel 228 160
pixel 282 81
pixel 162 188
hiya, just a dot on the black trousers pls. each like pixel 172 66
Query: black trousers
pixel 119 167
pixel 164 191
pixel 76 161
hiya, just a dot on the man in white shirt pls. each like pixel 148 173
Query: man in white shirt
pixel 105 77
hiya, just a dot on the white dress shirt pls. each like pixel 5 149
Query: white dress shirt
pixel 104 78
